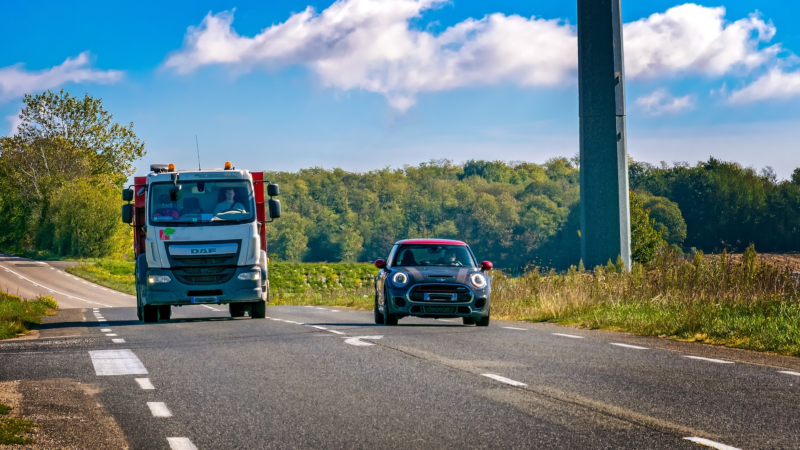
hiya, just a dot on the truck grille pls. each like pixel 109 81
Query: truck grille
pixel 444 291
pixel 204 270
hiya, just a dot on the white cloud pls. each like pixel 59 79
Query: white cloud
pixel 16 81
pixel 662 102
pixel 370 45
pixel 693 38
pixel 13 122
pixel 775 84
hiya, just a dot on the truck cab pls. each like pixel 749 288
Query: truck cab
pixel 200 238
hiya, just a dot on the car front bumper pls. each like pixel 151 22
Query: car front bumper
pixel 398 302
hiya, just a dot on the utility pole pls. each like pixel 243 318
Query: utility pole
pixel 605 207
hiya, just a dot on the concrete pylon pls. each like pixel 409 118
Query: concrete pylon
pixel 605 208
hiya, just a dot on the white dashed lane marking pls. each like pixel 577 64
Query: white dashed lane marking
pixel 116 362
pixel 568 335
pixel 359 343
pixel 710 443
pixel 504 379
pixel 118 341
pixel 145 383
pixel 700 358
pixel 111 334
pixel 514 328
pixel 105 330
pixel 629 346
pixel 159 409
pixel 180 443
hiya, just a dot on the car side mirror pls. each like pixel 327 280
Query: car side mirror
pixel 274 208
pixel 273 190
pixel 174 193
pixel 127 213
pixel 486 265
pixel 380 264
pixel 127 195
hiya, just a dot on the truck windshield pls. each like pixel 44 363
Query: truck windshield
pixel 433 255
pixel 202 201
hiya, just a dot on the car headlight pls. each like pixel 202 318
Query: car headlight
pixel 153 279
pixel 478 280
pixel 400 279
pixel 251 276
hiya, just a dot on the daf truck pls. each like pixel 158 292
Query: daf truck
pixel 199 238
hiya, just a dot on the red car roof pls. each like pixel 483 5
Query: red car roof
pixel 431 241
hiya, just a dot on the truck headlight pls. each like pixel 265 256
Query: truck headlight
pixel 400 279
pixel 152 279
pixel 250 276
pixel 478 280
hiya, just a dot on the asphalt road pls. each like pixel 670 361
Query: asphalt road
pixel 322 378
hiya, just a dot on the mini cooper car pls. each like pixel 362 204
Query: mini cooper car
pixel 433 278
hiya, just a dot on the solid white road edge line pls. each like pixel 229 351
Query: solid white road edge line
pixel 568 335
pixel 180 443
pixel 710 443
pixel 145 383
pixel 789 372
pixel 503 379
pixel 629 346
pixel 159 409
pixel 57 292
pixel 515 328
pixel 319 328
pixel 718 361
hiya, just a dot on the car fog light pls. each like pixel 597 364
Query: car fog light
pixel 158 279
pixel 478 280
pixel 250 276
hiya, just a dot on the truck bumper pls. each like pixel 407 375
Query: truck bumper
pixel 176 293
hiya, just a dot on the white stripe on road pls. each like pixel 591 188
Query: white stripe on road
pixel 718 361
pixel 629 346
pixel 789 372
pixel 444 320
pixel 145 383
pixel 180 443
pixel 118 341
pixel 116 362
pixel 710 443
pixel 503 379
pixel 514 328
pixel 319 328
pixel 568 335
pixel 57 292
pixel 359 343
pixel 334 331
pixel 159 409
pixel 105 330
pixel 111 334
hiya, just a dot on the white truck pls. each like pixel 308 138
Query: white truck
pixel 200 238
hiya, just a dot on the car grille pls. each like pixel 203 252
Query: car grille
pixel 445 291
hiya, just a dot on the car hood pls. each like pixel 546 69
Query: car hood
pixel 435 274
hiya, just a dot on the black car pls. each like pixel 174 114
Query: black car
pixel 435 278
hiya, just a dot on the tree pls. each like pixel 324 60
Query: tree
pixel 645 239
pixel 667 217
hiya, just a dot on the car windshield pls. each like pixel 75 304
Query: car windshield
pixel 433 255
pixel 202 201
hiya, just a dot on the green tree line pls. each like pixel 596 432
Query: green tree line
pixel 61 175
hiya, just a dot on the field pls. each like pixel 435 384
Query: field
pixel 745 301
pixel 18 314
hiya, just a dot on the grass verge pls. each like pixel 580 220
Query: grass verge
pixel 13 430
pixel 111 273
pixel 17 315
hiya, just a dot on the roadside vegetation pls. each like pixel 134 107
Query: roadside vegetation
pixel 111 273
pixel 13 431
pixel 17 315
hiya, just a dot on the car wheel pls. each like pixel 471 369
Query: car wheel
pixel 468 320
pixel 483 321
pixel 389 319
pixel 377 313
pixel 258 310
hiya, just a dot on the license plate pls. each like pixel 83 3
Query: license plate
pixel 205 299
pixel 440 309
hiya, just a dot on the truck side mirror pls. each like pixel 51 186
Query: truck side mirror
pixel 274 208
pixel 273 190
pixel 127 195
pixel 127 213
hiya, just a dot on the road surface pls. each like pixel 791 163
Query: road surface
pixel 317 377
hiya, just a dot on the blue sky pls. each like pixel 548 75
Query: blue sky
pixel 364 84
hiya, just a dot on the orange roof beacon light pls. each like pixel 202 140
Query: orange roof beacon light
pixel 228 165
pixel 171 167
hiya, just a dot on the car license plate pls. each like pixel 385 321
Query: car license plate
pixel 205 299
pixel 440 309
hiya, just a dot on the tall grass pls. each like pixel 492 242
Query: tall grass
pixel 17 315
pixel 749 303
